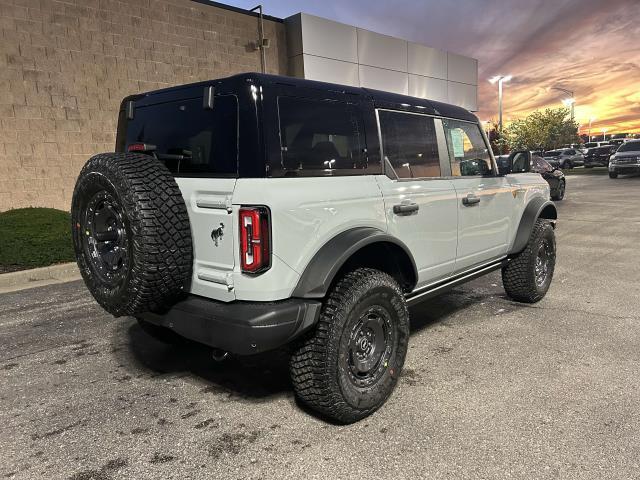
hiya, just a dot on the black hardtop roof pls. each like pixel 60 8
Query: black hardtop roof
pixel 380 99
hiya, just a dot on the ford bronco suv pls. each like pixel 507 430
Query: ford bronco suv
pixel 259 211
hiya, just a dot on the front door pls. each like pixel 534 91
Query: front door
pixel 485 201
pixel 420 205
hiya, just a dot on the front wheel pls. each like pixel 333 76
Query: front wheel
pixel 527 276
pixel 613 175
pixel 349 365
pixel 560 194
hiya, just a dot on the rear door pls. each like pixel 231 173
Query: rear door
pixel 420 205
pixel 200 147
pixel 485 202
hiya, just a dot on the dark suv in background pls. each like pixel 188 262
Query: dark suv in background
pixel 599 156
pixel 553 175
pixel 625 160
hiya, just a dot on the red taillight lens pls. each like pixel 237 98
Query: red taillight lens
pixel 140 147
pixel 255 231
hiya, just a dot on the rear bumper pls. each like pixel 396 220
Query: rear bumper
pixel 243 328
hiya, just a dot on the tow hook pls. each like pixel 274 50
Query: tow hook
pixel 219 355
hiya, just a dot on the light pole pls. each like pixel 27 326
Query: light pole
pixel 500 79
pixel 604 134
pixel 567 101
pixel 590 121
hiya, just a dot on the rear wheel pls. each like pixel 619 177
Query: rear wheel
pixel 613 175
pixel 527 276
pixel 349 365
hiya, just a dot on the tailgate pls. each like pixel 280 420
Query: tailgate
pixel 208 202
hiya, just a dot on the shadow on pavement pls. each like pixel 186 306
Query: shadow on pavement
pixel 259 377
pixel 241 378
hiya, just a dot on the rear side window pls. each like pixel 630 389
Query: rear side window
pixel 467 149
pixel 409 144
pixel 320 137
pixel 190 140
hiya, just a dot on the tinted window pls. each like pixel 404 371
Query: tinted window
pixel 190 140
pixel 629 147
pixel 540 165
pixel 321 137
pixel 569 152
pixel 409 144
pixel 467 150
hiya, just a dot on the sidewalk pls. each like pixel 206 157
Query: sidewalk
pixel 37 277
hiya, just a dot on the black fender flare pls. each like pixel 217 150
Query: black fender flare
pixel 537 208
pixel 320 272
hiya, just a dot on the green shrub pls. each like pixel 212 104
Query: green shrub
pixel 34 237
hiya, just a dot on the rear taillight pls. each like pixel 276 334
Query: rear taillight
pixel 140 147
pixel 255 233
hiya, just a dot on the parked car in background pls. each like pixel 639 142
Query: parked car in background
pixel 599 156
pixel 553 175
pixel 578 146
pixel 619 141
pixel 564 157
pixel 625 160
pixel 595 144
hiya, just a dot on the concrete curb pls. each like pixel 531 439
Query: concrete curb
pixel 37 277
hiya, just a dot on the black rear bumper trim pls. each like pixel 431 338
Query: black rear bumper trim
pixel 242 328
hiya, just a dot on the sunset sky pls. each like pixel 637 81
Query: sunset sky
pixel 591 47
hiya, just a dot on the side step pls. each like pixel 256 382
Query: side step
pixel 435 289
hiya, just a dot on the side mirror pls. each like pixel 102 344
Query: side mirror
pixel 519 162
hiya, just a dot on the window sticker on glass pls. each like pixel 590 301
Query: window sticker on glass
pixel 457 139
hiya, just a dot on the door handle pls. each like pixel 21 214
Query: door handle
pixel 470 199
pixel 405 208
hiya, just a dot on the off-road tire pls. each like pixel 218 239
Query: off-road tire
pixel 320 366
pixel 155 258
pixel 519 275
pixel 613 175
pixel 162 334
pixel 561 190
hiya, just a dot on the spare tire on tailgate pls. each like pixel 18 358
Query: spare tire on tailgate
pixel 131 233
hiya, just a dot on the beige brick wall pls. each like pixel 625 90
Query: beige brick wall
pixel 66 64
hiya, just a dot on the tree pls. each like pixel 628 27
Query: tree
pixel 542 130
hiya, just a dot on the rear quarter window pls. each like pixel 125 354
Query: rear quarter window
pixel 190 140
pixel 321 138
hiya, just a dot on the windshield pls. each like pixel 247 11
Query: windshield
pixel 540 165
pixel 553 153
pixel 630 147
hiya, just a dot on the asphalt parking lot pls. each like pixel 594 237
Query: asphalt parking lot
pixel 491 388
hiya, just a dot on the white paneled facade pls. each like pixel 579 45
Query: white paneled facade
pixel 321 49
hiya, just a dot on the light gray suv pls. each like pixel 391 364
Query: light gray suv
pixel 564 158
pixel 626 159
pixel 256 212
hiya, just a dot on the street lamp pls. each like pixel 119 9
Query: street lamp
pixel 500 79
pixel 567 101
pixel 604 134
pixel 590 122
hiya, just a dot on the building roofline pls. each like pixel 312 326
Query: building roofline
pixel 231 8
